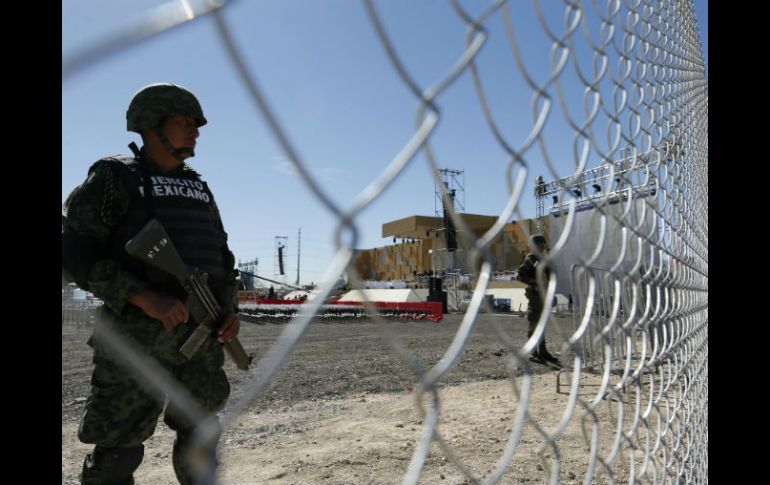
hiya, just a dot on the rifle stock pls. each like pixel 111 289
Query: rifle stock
pixel 153 246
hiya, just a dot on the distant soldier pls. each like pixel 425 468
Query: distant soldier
pixel 528 275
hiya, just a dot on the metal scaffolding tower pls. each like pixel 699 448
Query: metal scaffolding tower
pixel 454 183
pixel 249 268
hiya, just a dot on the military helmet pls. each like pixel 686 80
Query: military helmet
pixel 154 102
pixel 537 240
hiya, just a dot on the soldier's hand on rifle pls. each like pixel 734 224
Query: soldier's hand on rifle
pixel 230 327
pixel 170 311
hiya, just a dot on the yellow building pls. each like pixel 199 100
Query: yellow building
pixel 422 248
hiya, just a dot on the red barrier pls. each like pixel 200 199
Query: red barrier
pixel 272 301
pixel 434 309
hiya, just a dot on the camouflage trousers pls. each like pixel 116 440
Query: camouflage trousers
pixel 534 310
pixel 122 409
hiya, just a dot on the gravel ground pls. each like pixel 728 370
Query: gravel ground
pixel 341 410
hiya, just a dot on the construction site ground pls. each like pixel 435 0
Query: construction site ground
pixel 342 408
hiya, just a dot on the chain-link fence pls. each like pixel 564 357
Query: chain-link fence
pixel 640 322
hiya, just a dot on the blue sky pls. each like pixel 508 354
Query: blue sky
pixel 340 101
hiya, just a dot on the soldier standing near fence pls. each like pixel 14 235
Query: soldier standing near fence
pixel 119 196
pixel 528 275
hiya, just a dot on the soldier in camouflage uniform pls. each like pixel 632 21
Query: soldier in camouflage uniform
pixel 528 275
pixel 118 197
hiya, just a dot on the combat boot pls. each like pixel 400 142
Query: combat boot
pixel 194 463
pixel 111 466
pixel 543 354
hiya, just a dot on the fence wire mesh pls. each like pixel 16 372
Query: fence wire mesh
pixel 640 317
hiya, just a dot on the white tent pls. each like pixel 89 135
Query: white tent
pixel 586 236
pixel 381 295
pixel 298 294
pixel 519 302
pixel 516 295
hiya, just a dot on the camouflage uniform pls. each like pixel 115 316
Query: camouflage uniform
pixel 121 411
pixel 528 274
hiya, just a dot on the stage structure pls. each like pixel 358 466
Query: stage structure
pixel 623 190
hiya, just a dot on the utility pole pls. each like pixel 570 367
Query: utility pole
pixel 299 241
pixel 539 196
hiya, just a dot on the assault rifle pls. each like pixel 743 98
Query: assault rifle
pixel 153 246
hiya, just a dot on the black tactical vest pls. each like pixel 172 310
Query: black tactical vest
pixel 183 203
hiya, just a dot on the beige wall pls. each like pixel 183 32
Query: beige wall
pixel 396 262
pixel 402 261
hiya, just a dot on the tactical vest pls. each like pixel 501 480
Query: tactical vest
pixel 185 206
pixel 529 270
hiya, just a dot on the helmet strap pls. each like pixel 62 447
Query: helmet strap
pixel 174 152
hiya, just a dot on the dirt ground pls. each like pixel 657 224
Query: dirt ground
pixel 342 410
